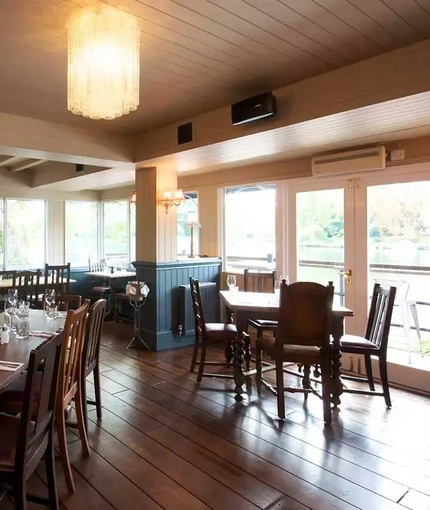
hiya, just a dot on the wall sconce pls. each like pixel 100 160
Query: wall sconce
pixel 171 198
pixel 133 197
pixel 193 223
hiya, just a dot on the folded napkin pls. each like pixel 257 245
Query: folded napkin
pixel 10 366
pixel 41 334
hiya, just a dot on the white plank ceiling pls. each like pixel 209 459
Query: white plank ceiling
pixel 198 55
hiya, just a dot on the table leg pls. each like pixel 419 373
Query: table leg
pixel 238 356
pixel 337 386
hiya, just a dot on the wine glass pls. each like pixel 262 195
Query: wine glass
pixel 231 282
pixel 50 297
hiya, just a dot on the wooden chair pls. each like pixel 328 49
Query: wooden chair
pixel 91 355
pixel 28 285
pixel 118 298
pixel 29 437
pixel 65 302
pixel 303 336
pixel 70 386
pixel 260 281
pixel 374 342
pixel 58 278
pixel 208 332
pixel 99 284
pixel 6 275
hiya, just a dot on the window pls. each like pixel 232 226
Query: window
pixel 1 233
pixel 116 228
pixel 25 233
pixel 81 236
pixel 188 211
pixel 249 227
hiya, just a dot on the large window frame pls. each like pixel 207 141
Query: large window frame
pixel 130 208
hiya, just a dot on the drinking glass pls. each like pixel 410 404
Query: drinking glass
pixel 231 282
pixel 10 306
pixel 23 321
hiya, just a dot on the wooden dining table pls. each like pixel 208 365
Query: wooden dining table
pixel 259 305
pixel 18 349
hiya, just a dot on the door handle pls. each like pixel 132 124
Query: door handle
pixel 347 274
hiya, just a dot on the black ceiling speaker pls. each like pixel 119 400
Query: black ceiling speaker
pixel 79 167
pixel 253 108
pixel 185 133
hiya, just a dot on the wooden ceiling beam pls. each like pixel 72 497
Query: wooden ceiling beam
pixel 29 163
pixel 9 160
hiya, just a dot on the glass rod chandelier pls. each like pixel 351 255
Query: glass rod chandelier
pixel 103 64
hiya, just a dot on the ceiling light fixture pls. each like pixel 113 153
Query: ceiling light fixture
pixel 103 64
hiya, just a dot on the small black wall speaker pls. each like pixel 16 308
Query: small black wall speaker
pixel 253 108
pixel 185 133
pixel 79 167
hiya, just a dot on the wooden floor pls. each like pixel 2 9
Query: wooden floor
pixel 167 442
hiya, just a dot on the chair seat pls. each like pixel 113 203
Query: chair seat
pixel 290 351
pixel 100 289
pixel 219 329
pixel 357 341
pixel 262 323
pixel 12 398
pixel 121 296
pixel 9 427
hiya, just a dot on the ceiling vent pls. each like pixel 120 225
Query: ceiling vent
pixel 360 160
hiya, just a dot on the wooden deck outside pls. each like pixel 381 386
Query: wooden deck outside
pixel 166 442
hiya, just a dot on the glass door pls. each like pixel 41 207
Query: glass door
pixel 320 236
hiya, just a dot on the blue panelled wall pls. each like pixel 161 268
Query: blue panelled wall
pixel 159 315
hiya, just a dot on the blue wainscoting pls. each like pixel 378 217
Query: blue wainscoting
pixel 160 313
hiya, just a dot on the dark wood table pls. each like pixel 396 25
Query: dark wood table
pixel 19 349
pixel 258 305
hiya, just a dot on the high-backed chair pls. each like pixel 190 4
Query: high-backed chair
pixel 374 342
pixel 58 278
pixel 209 332
pixel 28 285
pixel 303 336
pixel 70 386
pixel 65 302
pixel 99 284
pixel 10 277
pixel 91 353
pixel 260 281
pixel 29 437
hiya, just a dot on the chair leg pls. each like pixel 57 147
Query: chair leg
pixel 369 372
pixel 19 495
pixel 84 400
pixel 229 352
pixel 202 361
pixel 247 353
pixel 195 354
pixel 62 446
pixel 258 364
pixel 280 389
pixel 98 393
pixel 50 473
pixel 384 381
pixel 326 393
pixel 81 421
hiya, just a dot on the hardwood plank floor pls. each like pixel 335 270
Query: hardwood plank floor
pixel 167 442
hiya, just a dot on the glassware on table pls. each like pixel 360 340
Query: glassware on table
pixel 52 311
pixel 231 282
pixel 10 306
pixel 49 297
pixel 23 319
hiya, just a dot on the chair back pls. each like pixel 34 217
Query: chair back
pixel 199 319
pixel 71 356
pixel 28 283
pixel 93 336
pixel 259 281
pixel 37 416
pixel 65 302
pixel 96 267
pixel 379 320
pixel 58 278
pixel 305 314
pixel 7 275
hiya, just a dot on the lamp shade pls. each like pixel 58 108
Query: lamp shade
pixel 133 197
pixel 103 64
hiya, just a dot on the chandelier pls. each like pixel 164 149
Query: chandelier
pixel 103 64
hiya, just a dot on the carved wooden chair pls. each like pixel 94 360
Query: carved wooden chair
pixel 99 284
pixel 58 278
pixel 28 285
pixel 260 281
pixel 210 332
pixel 303 336
pixel 91 353
pixel 29 437
pixel 374 342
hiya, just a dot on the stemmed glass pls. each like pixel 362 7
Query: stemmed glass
pixel 10 306
pixel 50 297
pixel 231 282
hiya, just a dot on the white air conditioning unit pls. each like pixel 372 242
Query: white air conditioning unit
pixel 360 160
